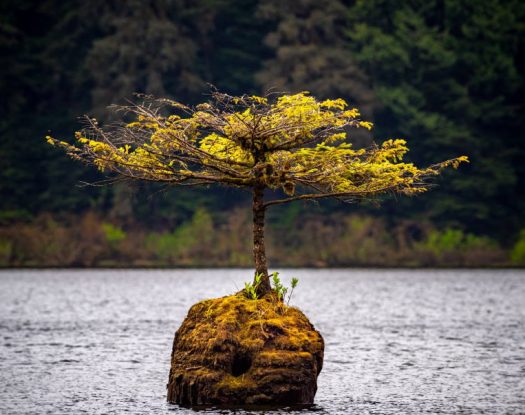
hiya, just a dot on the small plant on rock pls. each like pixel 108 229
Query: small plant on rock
pixel 278 287
pixel 293 284
pixel 281 290
pixel 250 289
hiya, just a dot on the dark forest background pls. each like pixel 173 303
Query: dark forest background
pixel 447 75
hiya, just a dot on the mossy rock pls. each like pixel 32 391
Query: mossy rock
pixel 235 351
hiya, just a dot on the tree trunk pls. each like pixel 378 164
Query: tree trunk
pixel 259 252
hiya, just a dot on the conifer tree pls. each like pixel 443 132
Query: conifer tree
pixel 310 48
pixel 450 73
pixel 144 46
pixel 291 144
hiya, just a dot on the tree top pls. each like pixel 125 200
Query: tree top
pixel 291 142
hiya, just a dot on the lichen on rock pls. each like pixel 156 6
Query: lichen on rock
pixel 237 351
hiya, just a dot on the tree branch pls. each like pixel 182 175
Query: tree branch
pixel 339 195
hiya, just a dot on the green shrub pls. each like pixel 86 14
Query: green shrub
pixel 113 234
pixel 517 254
pixel 453 247
pixel 188 239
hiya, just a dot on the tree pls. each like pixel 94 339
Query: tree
pixel 145 46
pixel 232 45
pixel 310 47
pixel 294 143
pixel 42 45
pixel 450 75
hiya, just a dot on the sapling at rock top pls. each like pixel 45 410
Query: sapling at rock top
pixel 293 284
pixel 281 290
pixel 290 143
pixel 278 286
pixel 250 289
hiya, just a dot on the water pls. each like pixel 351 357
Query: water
pixel 410 342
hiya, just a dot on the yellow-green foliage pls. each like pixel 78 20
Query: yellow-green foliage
pixel 113 233
pixel 453 240
pixel 290 142
pixel 453 247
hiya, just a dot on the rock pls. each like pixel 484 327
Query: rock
pixel 236 351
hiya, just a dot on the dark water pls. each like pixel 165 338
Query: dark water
pixel 411 342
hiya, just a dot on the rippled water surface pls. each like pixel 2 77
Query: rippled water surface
pixel 99 342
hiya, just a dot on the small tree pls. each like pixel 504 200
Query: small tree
pixel 294 143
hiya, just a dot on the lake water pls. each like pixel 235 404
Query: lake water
pixel 403 341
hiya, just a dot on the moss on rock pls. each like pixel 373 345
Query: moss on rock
pixel 237 351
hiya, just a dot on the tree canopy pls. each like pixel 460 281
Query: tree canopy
pixel 295 143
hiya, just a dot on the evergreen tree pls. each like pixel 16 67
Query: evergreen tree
pixel 144 47
pixel 447 74
pixel 294 143
pixel 233 48
pixel 42 45
pixel 311 51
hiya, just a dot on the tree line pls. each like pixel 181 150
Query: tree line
pixel 447 76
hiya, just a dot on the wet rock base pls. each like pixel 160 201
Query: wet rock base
pixel 234 351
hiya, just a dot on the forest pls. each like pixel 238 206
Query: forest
pixel 446 75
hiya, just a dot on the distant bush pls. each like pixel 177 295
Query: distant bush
pixel 225 241
pixel 517 254
pixel 183 245
pixel 47 241
pixel 342 240
pixel 453 247
pixel 113 233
